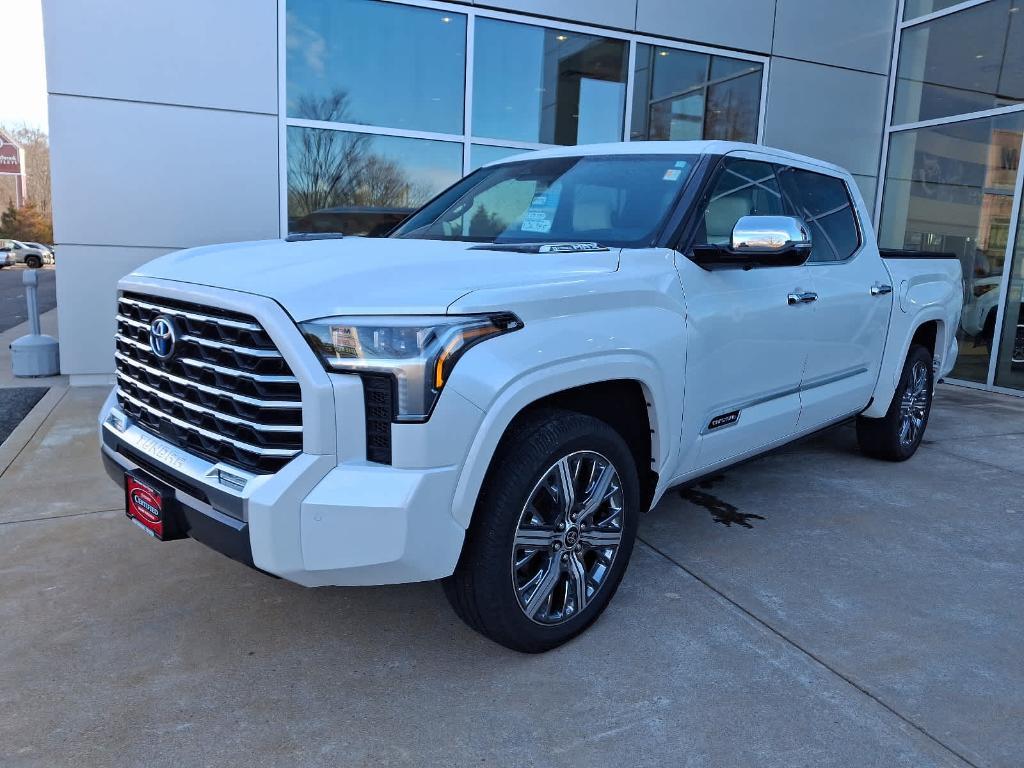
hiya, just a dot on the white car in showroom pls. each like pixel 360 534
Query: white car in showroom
pixel 494 393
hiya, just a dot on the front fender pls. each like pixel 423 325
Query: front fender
pixel 504 376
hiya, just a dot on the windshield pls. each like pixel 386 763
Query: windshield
pixel 614 200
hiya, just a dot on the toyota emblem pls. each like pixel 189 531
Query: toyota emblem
pixel 162 336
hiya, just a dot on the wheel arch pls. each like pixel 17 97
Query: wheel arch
pixel 630 381
pixel 929 330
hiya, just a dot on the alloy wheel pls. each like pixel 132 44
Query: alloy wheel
pixel 567 537
pixel 914 405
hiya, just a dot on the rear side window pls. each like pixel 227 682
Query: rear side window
pixel 825 204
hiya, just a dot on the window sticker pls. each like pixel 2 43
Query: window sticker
pixel 681 164
pixel 540 216
pixel 672 174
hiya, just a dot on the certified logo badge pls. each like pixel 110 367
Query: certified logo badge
pixel 162 336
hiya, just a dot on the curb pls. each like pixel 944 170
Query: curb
pixel 22 434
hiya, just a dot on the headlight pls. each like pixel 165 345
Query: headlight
pixel 419 351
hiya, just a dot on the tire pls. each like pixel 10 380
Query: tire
pixel 33 262
pixel 897 435
pixel 516 521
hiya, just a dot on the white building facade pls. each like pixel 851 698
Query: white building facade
pixel 188 123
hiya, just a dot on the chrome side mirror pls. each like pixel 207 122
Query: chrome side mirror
pixel 770 234
pixel 760 241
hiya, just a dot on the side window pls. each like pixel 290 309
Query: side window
pixel 744 188
pixel 825 204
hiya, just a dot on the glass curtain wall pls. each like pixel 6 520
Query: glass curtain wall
pixel 388 103
pixel 685 95
pixel 951 181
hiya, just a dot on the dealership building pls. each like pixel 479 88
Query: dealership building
pixel 195 122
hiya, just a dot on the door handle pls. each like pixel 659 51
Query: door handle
pixel 880 289
pixel 806 297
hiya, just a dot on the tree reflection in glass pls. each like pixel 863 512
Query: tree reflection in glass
pixel 359 183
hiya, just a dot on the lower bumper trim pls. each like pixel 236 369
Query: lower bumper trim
pixel 216 530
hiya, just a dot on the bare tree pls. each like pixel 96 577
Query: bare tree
pixel 381 184
pixel 329 168
pixel 323 165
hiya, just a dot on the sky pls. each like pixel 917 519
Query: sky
pixel 23 84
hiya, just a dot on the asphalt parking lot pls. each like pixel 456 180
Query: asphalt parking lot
pixel 12 294
pixel 810 608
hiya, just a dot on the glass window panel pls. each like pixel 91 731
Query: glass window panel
pixel 361 184
pixel 676 71
pixel 1010 365
pixel 950 188
pixel 681 95
pixel 965 62
pixel 680 119
pixel 482 154
pixel 723 66
pixel 915 8
pixel 546 85
pixel 733 108
pixel 376 63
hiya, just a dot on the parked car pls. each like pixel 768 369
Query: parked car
pixel 47 251
pixel 31 255
pixel 6 258
pixel 494 393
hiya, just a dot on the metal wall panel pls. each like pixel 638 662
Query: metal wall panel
pixel 826 112
pixel 609 13
pixel 214 54
pixel 126 173
pixel 845 34
pixel 744 24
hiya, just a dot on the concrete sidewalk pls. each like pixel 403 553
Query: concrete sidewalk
pixel 812 608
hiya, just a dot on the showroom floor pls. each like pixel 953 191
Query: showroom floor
pixel 810 608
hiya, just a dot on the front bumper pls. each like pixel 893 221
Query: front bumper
pixel 315 522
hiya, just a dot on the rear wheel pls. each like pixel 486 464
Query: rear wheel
pixel 33 262
pixel 897 435
pixel 552 532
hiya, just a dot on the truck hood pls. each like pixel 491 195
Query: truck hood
pixel 356 275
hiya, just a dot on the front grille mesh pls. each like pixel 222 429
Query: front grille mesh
pixel 226 393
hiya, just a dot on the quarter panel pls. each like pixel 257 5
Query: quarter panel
pixel 928 290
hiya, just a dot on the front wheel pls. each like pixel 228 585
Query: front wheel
pixel 897 435
pixel 552 532
pixel 33 262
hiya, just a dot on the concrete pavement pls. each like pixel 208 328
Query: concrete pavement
pixel 869 616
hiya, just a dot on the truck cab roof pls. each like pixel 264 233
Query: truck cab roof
pixel 670 148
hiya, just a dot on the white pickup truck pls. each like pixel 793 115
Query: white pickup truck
pixel 494 393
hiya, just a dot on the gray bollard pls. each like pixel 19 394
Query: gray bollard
pixel 35 354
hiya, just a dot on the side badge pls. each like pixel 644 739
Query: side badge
pixel 724 420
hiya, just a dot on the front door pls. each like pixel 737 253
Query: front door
pixel 746 345
pixel 850 320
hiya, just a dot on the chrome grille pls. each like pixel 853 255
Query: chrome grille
pixel 225 394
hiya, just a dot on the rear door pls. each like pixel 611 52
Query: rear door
pixel 851 311
pixel 746 345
